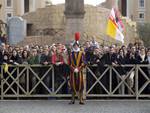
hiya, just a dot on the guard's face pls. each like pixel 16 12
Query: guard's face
pixel 76 47
pixel 87 45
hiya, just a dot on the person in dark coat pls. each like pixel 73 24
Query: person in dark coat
pixel 142 59
pixel 131 56
pixel 4 39
pixel 5 59
pixel 88 52
pixel 15 59
pixel 121 70
pixel 131 59
pixel 2 52
pixel 88 55
pixel 97 68
pixel 148 61
pixel 25 61
pixel 45 60
pixel 5 62
pixel 25 57
pixel 148 55
pixel 110 58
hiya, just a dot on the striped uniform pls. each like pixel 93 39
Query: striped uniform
pixel 76 79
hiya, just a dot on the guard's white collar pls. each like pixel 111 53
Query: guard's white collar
pixel 76 50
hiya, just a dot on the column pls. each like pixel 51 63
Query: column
pixel 74 12
pixel 116 4
pixel 113 4
pixel 32 5
pixel 21 7
pixel 128 8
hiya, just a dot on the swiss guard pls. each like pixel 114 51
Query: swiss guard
pixel 76 73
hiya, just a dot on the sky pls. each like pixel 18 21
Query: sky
pixel 92 2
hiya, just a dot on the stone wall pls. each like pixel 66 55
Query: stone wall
pixel 39 40
pixel 51 21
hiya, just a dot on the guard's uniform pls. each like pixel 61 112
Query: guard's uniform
pixel 76 75
pixel 76 79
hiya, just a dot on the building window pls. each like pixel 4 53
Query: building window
pixel 141 3
pixel 9 3
pixel 9 15
pixel 26 6
pixel 141 15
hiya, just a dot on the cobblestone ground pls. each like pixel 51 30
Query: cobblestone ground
pixel 51 106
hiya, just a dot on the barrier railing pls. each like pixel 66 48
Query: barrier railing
pixel 112 82
pixel 48 81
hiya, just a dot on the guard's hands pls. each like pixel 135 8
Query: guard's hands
pixel 76 70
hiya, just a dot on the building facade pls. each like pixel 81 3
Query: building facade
pixel 136 10
pixel 11 8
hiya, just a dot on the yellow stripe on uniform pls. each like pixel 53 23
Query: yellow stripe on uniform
pixel 79 58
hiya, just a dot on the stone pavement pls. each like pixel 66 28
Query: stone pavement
pixel 52 106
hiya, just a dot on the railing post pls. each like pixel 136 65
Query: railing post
pixel 136 82
pixel 27 82
pixel 53 80
pixel 17 77
pixel 2 77
pixel 110 80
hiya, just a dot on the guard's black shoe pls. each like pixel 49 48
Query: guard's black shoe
pixel 81 103
pixel 72 102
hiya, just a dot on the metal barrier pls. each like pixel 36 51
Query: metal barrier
pixel 111 76
pixel 45 81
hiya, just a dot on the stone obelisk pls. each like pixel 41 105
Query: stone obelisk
pixel 74 12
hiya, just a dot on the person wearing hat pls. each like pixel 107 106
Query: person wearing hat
pixel 76 74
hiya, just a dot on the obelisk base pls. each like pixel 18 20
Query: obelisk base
pixel 74 25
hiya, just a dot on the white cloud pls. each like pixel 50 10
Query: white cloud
pixel 93 2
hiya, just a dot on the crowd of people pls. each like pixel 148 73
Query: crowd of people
pixel 95 56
